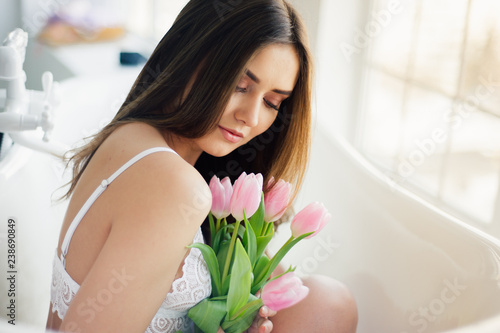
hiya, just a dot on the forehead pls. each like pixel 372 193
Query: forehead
pixel 276 66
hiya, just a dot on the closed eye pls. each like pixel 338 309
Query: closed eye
pixel 272 106
pixel 268 104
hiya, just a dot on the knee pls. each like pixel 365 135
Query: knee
pixel 333 303
pixel 329 307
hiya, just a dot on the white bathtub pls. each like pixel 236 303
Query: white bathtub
pixel 410 267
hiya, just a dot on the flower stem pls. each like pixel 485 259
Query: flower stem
pixel 217 226
pixel 287 242
pixel 230 251
pixel 271 265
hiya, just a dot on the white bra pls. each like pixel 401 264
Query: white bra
pixel 192 287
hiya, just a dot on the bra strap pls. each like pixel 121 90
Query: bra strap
pixel 97 192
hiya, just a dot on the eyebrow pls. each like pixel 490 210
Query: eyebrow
pixel 254 78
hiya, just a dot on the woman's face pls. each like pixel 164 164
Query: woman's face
pixel 268 80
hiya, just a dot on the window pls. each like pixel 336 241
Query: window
pixel 153 18
pixel 431 107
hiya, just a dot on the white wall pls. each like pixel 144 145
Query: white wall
pixel 332 24
pixel 9 17
pixel 309 10
pixel 338 75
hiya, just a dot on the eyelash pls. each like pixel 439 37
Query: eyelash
pixel 268 104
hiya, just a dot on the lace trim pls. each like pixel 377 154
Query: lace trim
pixel 191 288
pixel 63 288
pixel 187 291
pixel 170 325
pixel 194 285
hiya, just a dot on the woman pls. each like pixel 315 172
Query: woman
pixel 231 93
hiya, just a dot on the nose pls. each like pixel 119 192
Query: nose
pixel 248 112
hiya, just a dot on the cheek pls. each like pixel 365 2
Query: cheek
pixel 266 120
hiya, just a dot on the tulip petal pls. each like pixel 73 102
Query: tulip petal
pixel 277 199
pixel 218 197
pixel 284 292
pixel 246 195
pixel 228 192
pixel 310 219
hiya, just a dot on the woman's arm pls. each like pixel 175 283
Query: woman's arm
pixel 157 210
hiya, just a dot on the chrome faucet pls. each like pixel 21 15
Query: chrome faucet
pixel 23 111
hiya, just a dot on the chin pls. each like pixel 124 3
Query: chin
pixel 221 149
pixel 219 152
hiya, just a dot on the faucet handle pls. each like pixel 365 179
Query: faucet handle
pixel 47 121
pixel 47 82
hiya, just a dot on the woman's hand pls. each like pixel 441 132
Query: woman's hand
pixel 261 323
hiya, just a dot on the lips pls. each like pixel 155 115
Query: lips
pixel 231 135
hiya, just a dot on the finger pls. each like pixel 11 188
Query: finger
pixel 266 326
pixel 266 312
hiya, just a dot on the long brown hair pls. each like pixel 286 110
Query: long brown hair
pixel 212 41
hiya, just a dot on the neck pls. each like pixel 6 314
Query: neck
pixel 184 147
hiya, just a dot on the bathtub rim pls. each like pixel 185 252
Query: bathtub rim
pixel 489 324
pixel 376 174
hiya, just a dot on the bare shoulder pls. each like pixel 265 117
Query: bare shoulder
pixel 152 211
pixel 159 184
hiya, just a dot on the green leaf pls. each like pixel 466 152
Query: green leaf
pixel 262 242
pixel 230 229
pixel 273 263
pixel 238 325
pixel 208 314
pixel 244 318
pixel 222 255
pixel 290 269
pixel 260 265
pixel 225 284
pixel 212 264
pixel 219 237
pixel 229 256
pixel 241 232
pixel 253 303
pixel 257 219
pixel 212 227
pixel 240 283
pixel 269 228
pixel 250 242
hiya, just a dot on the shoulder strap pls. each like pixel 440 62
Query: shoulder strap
pixel 93 197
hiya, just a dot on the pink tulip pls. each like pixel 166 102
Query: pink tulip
pixel 312 218
pixel 283 292
pixel 247 191
pixel 221 196
pixel 276 201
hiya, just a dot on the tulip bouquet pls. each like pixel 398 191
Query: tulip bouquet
pixel 239 267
